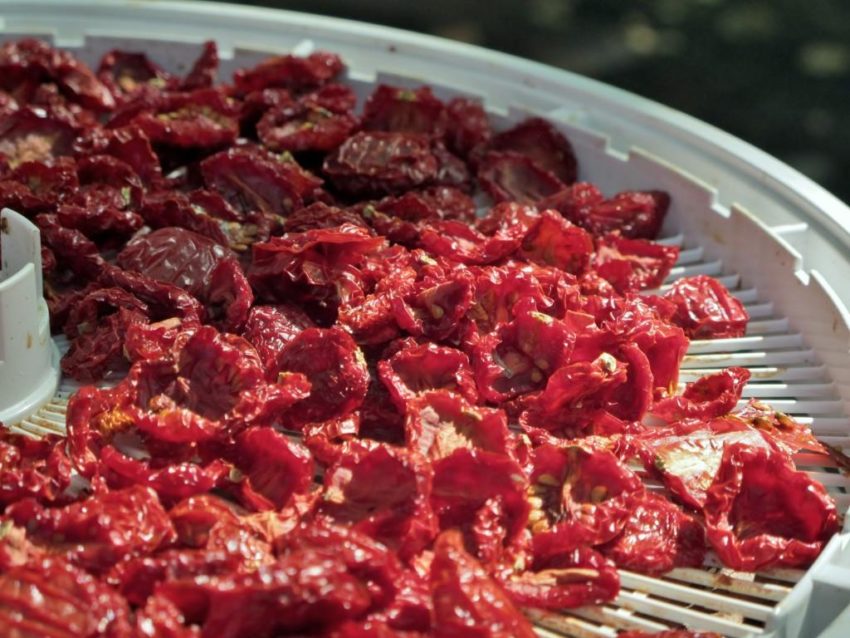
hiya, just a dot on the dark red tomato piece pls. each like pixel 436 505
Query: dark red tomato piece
pixel 334 97
pixel 508 176
pixel 291 72
pixel 176 256
pixel 634 214
pixel 402 110
pixel 708 397
pixel 35 186
pixel 302 591
pixel 36 468
pixel 273 468
pixel 336 369
pixel 166 209
pixel 657 537
pixel 498 290
pixel 320 215
pixel 203 119
pixel 543 143
pixel 160 618
pixel 364 557
pixel 129 144
pixel 31 135
pixel 579 495
pixel 564 580
pixel 203 73
pixel 467 126
pixel 760 512
pixel 786 431
pixel 99 349
pixel 163 299
pixel 304 127
pixel 458 241
pixel 48 598
pixel 633 264
pixel 381 163
pixel 435 305
pixel 72 249
pixel 553 241
pixel 383 492
pixel 469 480
pixel 103 529
pixel 521 355
pixel 421 368
pixel 688 462
pixel 194 517
pixel 705 309
pixel 252 180
pixel 467 601
pixel 440 422
pixel 270 328
pixel 128 74
pixel 665 345
pixel 229 296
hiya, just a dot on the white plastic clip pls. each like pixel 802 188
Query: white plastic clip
pixel 29 360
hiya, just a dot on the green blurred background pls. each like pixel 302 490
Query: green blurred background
pixel 773 72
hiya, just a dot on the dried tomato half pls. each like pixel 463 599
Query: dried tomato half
pixel 578 495
pixel 419 368
pixel 290 72
pixel 336 369
pixel 440 422
pixel 633 264
pixel 708 397
pixel 384 492
pixel 760 512
pixel 381 163
pixel 49 597
pixel 508 176
pixel 706 310
pixel 402 110
pixel 657 537
pixel 467 601
pixel 538 140
pixel 304 127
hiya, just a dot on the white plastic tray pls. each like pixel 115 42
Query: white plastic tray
pixel 775 238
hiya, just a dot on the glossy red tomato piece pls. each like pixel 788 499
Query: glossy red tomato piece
pixel 706 310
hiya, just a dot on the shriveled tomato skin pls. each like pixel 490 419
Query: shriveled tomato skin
pixel 706 310
pixel 467 602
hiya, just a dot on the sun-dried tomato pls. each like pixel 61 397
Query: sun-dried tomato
pixel 31 61
pixel 36 468
pixel 176 256
pixel 100 531
pixel 564 580
pixel 467 126
pixel 657 537
pixel 705 309
pixel 49 597
pixel 272 467
pixel 381 163
pixel 760 512
pixel 99 348
pixel 128 74
pixel 271 328
pixel 383 492
pixel 304 127
pixel 467 480
pixel 320 215
pixel 254 180
pixel 403 110
pixel 543 143
pixel 435 305
pixel 420 368
pixel 467 601
pixel 511 176
pixel 708 397
pixel 553 241
pixel 291 72
pixel 205 69
pixel 71 248
pixel 521 355
pixel 789 433
pixel 633 264
pixel 164 300
pixel 440 422
pixel 32 135
pixel 335 368
pixel 35 186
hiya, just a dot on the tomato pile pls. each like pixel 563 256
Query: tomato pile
pixel 346 405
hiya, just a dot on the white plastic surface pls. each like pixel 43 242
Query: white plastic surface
pixel 29 360
pixel 778 241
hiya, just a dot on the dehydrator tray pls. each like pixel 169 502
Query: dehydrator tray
pixel 779 242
